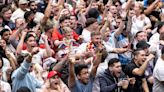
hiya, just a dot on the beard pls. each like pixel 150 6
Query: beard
pixel 34 10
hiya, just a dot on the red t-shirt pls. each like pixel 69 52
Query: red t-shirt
pixel 57 36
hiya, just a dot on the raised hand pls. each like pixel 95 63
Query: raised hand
pixel 24 32
pixel 132 80
pixel 44 37
pixel 35 50
pixel 23 26
pixel 150 57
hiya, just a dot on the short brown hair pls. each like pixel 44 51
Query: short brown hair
pixel 90 21
pixel 5 9
pixel 95 33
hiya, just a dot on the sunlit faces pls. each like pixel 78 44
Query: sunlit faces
pixel 96 39
pixel 6 35
pixel 65 23
pixel 69 35
pixel 84 76
pixel 33 7
pixel 131 13
pixel 2 43
pixel 81 5
pixel 19 22
pixel 73 22
pixel 31 41
pixel 54 82
pixel 23 6
pixel 106 35
pixel 138 8
pixel 140 57
pixel 141 36
pixel 94 5
pixel 116 69
pixel 113 10
pixel 118 21
pixel 7 15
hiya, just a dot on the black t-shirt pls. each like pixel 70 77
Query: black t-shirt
pixel 137 87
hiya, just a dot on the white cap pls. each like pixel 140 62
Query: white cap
pixel 23 2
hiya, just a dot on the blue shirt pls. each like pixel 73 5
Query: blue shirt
pixel 80 87
pixel 22 78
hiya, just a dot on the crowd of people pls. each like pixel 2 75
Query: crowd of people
pixel 81 45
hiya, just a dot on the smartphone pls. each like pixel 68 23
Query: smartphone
pixel 123 78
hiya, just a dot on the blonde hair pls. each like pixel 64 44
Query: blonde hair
pixel 67 29
pixel 140 6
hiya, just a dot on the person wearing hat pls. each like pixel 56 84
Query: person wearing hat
pixel 19 13
pixel 55 83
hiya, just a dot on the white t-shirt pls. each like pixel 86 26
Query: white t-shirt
pixel 17 14
pixel 37 58
pixel 158 75
pixel 5 87
pixel 86 35
pixel 6 66
pixel 38 17
pixel 154 38
pixel 138 24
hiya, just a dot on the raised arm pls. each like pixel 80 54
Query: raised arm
pixel 128 28
pixel 128 5
pixel 20 44
pixel 140 71
pixel 48 52
pixel 60 64
pixel 97 60
pixel 120 29
pixel 89 7
pixel 11 59
pixel 47 13
pixel 151 7
pixel 15 35
pixel 72 76
pixel 21 72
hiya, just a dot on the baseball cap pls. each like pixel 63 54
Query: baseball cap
pixel 23 1
pixel 142 44
pixel 53 73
